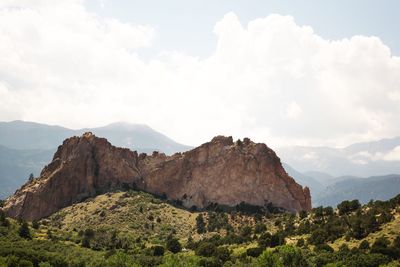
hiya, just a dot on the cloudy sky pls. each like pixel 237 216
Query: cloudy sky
pixel 319 73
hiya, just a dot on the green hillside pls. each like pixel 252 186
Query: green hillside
pixel 137 229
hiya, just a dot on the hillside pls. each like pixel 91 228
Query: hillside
pixel 137 229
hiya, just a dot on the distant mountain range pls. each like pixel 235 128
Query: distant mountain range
pixel 30 135
pixel 26 147
pixel 334 174
pixel 363 189
pixel 327 190
pixel 362 159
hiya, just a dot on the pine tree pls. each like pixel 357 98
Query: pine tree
pixel 24 231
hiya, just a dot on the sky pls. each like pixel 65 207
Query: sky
pixel 279 72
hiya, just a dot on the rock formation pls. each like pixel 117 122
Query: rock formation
pixel 220 171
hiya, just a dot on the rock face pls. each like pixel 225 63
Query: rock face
pixel 220 171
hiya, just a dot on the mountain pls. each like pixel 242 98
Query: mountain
pixel 363 189
pixel 25 147
pixel 305 180
pixel 327 190
pixel 219 171
pixel 362 159
pixel 31 135
pixel 16 166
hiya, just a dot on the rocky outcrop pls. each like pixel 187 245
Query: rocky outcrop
pixel 219 171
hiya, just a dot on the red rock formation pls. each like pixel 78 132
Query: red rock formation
pixel 220 171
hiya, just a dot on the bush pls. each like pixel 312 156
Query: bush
pixel 205 249
pixel 200 224
pixel 35 224
pixel 246 231
pixel 254 252
pixel 264 240
pixel 259 228
pixel 268 259
pixel 24 231
pixel 292 257
pixel 302 214
pixel 346 206
pixel 300 242
pixel 364 245
pixel 222 254
pixel 173 245
pixel 324 247
pixel 158 250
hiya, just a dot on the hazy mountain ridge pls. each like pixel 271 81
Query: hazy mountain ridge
pixel 31 135
pixel 16 166
pixel 25 147
pixel 364 159
pixel 330 191
pixel 363 189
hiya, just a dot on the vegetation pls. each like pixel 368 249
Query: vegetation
pixel 137 229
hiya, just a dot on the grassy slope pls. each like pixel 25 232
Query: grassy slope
pixel 135 213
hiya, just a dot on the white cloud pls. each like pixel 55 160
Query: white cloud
pixel 272 79
pixel 293 110
pixel 393 155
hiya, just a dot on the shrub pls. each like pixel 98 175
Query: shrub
pixel 268 259
pixel 259 228
pixel 173 245
pixel 324 247
pixel 24 231
pixel 302 214
pixel 205 249
pixel 254 252
pixel 364 245
pixel 245 231
pixel 300 242
pixel 35 224
pixel 158 250
pixel 200 224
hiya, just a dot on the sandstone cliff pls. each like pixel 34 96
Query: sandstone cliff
pixel 220 171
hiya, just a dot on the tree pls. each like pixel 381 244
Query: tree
pixel 205 249
pixel 302 214
pixel 245 231
pixel 254 252
pixel 396 242
pixel 35 224
pixel 24 231
pixel 346 206
pixel 173 245
pixel 292 257
pixel 265 240
pixel 364 245
pixel 158 250
pixel 269 259
pixel 121 259
pixel 201 225
pixel 31 177
pixel 300 242
pixel 222 254
pixel 259 228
